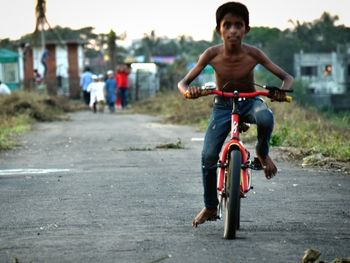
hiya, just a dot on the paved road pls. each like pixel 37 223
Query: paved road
pixel 97 189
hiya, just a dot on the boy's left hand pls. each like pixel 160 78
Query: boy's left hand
pixel 278 95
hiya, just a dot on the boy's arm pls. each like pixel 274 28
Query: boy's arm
pixel 183 85
pixel 287 80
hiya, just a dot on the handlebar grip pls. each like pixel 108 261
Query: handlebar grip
pixel 187 95
pixel 289 99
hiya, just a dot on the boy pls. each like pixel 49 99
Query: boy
pixel 97 93
pixel 233 62
pixel 111 89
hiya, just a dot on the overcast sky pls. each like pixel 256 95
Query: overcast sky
pixel 170 18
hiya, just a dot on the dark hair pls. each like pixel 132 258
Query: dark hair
pixel 234 8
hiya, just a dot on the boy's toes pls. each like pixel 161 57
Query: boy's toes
pixel 206 214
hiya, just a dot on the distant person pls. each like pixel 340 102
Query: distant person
pixel 111 90
pixel 123 84
pixel 97 93
pixel 43 61
pixel 85 80
pixel 37 77
pixel 4 89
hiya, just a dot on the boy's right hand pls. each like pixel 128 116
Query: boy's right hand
pixel 192 93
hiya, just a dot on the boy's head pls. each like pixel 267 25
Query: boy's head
pixel 234 8
pixel 110 73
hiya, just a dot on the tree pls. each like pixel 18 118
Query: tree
pixel 112 47
pixel 321 35
pixel 40 13
pixel 262 36
pixel 150 43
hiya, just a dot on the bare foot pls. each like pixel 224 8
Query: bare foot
pixel 270 168
pixel 206 214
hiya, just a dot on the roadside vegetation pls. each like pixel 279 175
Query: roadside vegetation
pixel 20 110
pixel 302 133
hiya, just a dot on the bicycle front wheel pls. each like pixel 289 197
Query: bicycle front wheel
pixel 232 202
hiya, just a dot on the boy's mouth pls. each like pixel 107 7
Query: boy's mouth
pixel 233 38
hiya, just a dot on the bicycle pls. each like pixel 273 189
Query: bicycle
pixel 235 165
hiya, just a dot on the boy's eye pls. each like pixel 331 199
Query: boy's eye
pixel 238 25
pixel 227 25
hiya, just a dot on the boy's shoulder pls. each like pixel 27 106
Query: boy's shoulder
pixel 251 49
pixel 214 49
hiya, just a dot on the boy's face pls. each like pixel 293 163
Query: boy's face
pixel 233 29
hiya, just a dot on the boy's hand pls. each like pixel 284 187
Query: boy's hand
pixel 278 95
pixel 193 93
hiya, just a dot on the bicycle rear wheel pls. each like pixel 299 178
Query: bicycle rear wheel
pixel 232 202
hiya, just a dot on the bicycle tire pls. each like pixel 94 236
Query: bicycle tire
pixel 232 198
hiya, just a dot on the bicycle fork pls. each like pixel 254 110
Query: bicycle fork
pixel 245 184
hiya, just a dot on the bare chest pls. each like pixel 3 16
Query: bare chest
pixel 236 69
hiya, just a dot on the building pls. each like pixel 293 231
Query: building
pixel 9 68
pixel 143 80
pixel 327 75
pixel 64 60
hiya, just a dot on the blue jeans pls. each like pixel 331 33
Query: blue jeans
pixel 251 111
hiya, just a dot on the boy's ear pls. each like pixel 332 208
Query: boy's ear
pixel 247 29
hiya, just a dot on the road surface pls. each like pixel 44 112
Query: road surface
pixel 103 188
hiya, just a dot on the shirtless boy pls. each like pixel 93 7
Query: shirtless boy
pixel 234 63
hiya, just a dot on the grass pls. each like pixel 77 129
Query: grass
pixel 10 126
pixel 295 127
pixel 20 109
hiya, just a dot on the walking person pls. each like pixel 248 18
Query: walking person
pixel 85 80
pixel 97 94
pixel 123 84
pixel 111 89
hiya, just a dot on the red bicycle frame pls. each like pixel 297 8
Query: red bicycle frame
pixel 235 141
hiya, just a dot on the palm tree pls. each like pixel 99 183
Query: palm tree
pixel 40 13
pixel 150 43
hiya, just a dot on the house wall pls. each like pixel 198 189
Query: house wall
pixel 325 90
pixel 73 69
pixel 311 67
pixel 65 64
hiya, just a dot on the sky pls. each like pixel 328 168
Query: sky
pixel 170 18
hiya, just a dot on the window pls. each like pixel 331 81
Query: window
pixel 308 71
pixel 327 70
pixel 10 72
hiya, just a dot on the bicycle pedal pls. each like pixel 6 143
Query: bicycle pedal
pixel 256 164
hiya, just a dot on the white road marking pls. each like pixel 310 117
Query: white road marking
pixel 31 171
pixel 197 139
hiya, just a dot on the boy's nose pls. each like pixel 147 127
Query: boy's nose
pixel 233 28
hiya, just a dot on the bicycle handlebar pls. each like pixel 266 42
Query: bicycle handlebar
pixel 211 90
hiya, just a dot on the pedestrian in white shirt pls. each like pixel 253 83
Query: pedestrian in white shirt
pixel 97 93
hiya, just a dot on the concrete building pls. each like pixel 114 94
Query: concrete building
pixel 327 75
pixel 9 68
pixel 65 62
